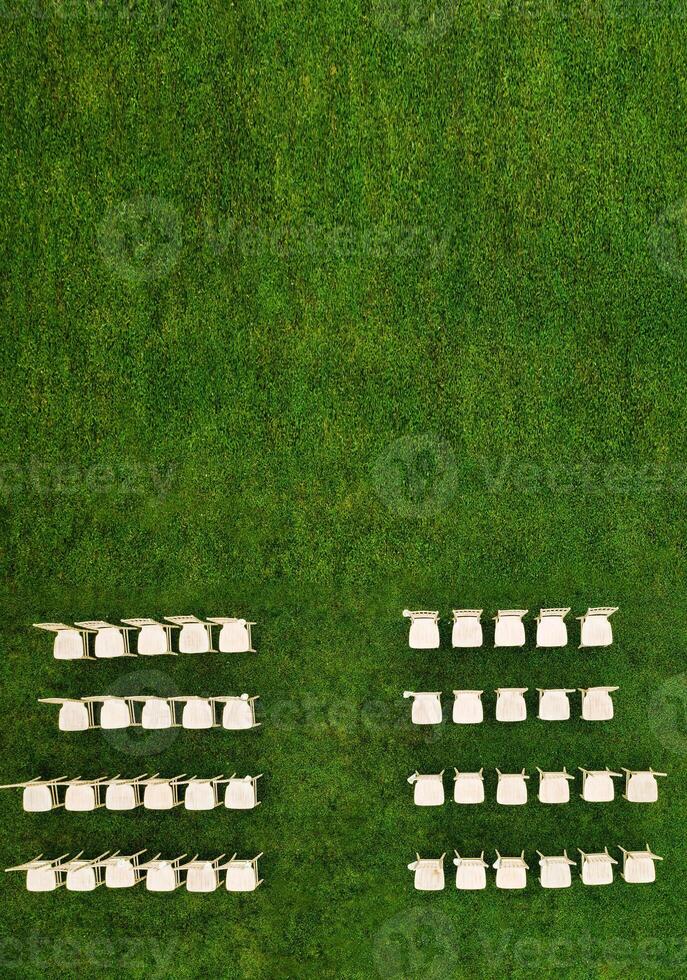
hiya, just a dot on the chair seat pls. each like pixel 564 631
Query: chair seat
pixel 596 632
pixel 554 706
pixel 554 789
pixel 551 632
pixel 555 874
pixel 511 707
pixel 120 796
pixel 120 874
pixel 468 709
pixel 237 714
pixel 158 796
pixel 37 799
pixel 73 717
pixel 429 877
pixel 597 706
pixel 69 645
pixel 429 791
pixel 109 643
pixel 41 880
pixel 156 713
pixel 234 638
pixel 199 796
pixel 511 791
pixel 639 870
pixel 426 710
pixel 81 880
pixel 80 798
pixel 239 795
pixel 424 634
pixel 510 878
pixel 597 872
pixel 467 632
pixel 598 788
pixel 152 641
pixel 202 877
pixel 471 877
pixel 469 789
pixel 194 638
pixel 197 715
pixel 642 787
pixel 160 877
pixel 241 877
pixel 509 631
pixel 115 714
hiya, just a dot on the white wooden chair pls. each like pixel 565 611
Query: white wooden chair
pixel 639 867
pixel 124 794
pixel 160 793
pixel 641 786
pixel 595 627
pixel 234 636
pixel 43 874
pixel 241 793
pixel 468 787
pixel 597 785
pixel 39 795
pixel 202 794
pixel 468 708
pixel 153 639
pixel 429 873
pixel 157 713
pixel 238 713
pixel 551 628
pixel 122 870
pixel 84 795
pixel 110 641
pixel 70 643
pixel 242 875
pixel 85 874
pixel 195 635
pixel 510 704
pixel 426 709
pixel 202 877
pixel 428 789
pixel 554 872
pixel 554 704
pixel 197 713
pixel 424 629
pixel 554 786
pixel 471 874
pixel 510 629
pixel 596 869
pixel 467 628
pixel 511 788
pixel 163 875
pixel 511 872
pixel 115 713
pixel 597 704
pixel 75 715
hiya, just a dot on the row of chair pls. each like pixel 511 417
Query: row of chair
pixel 151 792
pixel 554 871
pixel 116 870
pixel 554 705
pixel 554 787
pixel 96 639
pixel 509 629
pixel 154 713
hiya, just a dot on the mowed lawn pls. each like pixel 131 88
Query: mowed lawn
pixel 313 312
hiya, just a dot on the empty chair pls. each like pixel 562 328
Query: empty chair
pixel 426 709
pixel 85 874
pixel 596 869
pixel 511 872
pixel 597 785
pixel 157 713
pixel 551 628
pixel 84 795
pixel 163 875
pixel 509 630
pixel 554 872
pixel 122 870
pixel 424 629
pixel 202 876
pixel 161 793
pixel 468 787
pixel 40 795
pixel 43 874
pixel 115 712
pixel 467 707
pixel 554 786
pixel 510 704
pixel 641 786
pixel 153 639
pixel 429 873
pixel 75 715
pixel 639 867
pixel 110 641
pixel 467 628
pixel 471 874
pixel 429 790
pixel 554 704
pixel 70 643
pixel 241 793
pixel 595 627
pixel 123 794
pixel 234 636
pixel 238 713
pixel 197 713
pixel 202 794
pixel 195 635
pixel 242 874
pixel 597 704
pixel 511 788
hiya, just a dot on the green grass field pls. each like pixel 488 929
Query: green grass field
pixel 313 312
